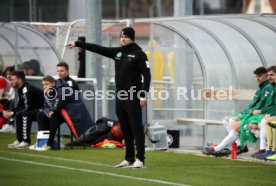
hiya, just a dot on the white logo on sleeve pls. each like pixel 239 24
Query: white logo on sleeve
pixel 147 63
pixel 119 54
pixel 70 83
pixel 132 56
pixel 24 90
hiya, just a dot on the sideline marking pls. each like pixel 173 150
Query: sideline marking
pixel 108 165
pixel 91 171
pixel 56 158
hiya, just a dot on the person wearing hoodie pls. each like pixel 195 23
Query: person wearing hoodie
pixel 34 68
pixel 131 68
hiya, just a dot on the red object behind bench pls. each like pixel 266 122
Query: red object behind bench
pixel 69 122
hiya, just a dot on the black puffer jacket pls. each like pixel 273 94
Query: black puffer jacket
pixel 75 107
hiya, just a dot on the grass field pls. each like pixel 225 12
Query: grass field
pixel 78 167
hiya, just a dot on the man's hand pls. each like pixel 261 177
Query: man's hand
pixel 271 118
pixel 7 114
pixel 50 114
pixel 227 117
pixel 143 102
pixel 71 44
pixel 255 112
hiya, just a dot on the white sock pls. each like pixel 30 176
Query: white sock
pixel 238 142
pixel 256 133
pixel 231 122
pixel 227 141
pixel 226 125
pixel 262 134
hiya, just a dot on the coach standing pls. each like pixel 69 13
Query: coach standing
pixel 131 66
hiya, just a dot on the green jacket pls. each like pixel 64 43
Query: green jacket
pixel 267 104
pixel 271 109
pixel 259 94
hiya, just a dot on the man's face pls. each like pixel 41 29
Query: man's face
pixel 125 40
pixel 46 85
pixel 271 76
pixel 15 82
pixel 8 75
pixel 260 78
pixel 62 72
pixel 30 71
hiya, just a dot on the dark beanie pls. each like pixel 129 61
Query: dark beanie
pixel 81 39
pixel 129 32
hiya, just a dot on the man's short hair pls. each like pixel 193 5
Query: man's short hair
pixel 63 64
pixel 260 70
pixel 48 79
pixel 19 74
pixel 9 68
pixel 272 68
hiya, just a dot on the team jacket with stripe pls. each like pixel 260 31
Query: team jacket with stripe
pixel 130 63
pixel 29 97
pixel 259 95
pixel 267 104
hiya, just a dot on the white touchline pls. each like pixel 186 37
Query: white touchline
pixel 56 158
pixel 92 171
pixel 107 165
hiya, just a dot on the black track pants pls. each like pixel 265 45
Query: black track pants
pixel 24 125
pixel 129 113
pixel 52 124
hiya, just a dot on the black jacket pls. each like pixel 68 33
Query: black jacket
pixel 130 63
pixel 29 97
pixel 75 107
pixel 72 83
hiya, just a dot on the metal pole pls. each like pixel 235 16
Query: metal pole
pixel 93 35
pixel 244 6
pixel 159 8
pixel 16 47
pixel 257 6
pixel 30 10
pixel 183 7
pixel 201 9
pixel 149 110
pixel 117 9
pixel 11 10
pixel 34 11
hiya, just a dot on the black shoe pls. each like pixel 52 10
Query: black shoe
pixel 223 152
pixel 255 154
pixel 208 151
pixel 244 150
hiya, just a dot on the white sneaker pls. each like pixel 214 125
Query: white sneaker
pixel 22 145
pixel 12 145
pixel 7 128
pixel 33 147
pixel 43 148
pixel 124 163
pixel 137 164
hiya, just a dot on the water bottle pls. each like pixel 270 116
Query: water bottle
pixel 234 151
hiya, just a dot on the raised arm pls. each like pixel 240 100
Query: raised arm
pixel 104 51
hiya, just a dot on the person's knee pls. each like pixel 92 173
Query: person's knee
pixel 252 127
pixel 235 125
pixel 40 115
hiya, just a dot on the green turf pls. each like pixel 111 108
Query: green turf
pixel 25 167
